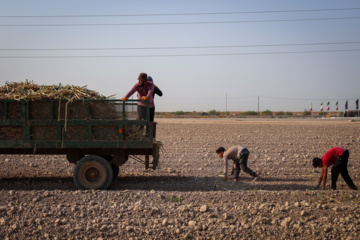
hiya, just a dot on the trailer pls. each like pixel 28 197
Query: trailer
pixel 98 136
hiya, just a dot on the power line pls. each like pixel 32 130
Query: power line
pixel 176 14
pixel 265 97
pixel 177 47
pixel 190 55
pixel 305 99
pixel 205 99
pixel 176 23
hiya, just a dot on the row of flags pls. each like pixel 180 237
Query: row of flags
pixel 337 106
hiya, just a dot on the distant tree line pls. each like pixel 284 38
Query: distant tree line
pixel 250 113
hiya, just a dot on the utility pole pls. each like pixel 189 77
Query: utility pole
pixel 225 104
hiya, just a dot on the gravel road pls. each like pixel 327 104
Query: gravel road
pixel 185 198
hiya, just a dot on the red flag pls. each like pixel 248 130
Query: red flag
pixel 310 107
pixel 328 104
pixel 321 107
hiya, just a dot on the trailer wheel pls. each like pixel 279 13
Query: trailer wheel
pixel 93 172
pixel 115 170
pixel 114 167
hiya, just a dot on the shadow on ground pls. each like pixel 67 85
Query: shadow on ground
pixel 160 183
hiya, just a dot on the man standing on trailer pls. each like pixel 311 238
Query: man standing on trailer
pixel 145 91
pixel 338 157
pixel 156 91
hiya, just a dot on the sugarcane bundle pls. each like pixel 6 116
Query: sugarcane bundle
pixel 11 133
pixel 28 90
pixel 69 105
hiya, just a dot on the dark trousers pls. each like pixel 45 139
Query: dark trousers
pixel 142 113
pixel 142 116
pixel 241 163
pixel 340 166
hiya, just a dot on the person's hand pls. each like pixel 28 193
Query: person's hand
pixel 225 179
pixel 317 187
pixel 144 98
pixel 123 99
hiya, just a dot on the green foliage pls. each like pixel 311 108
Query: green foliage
pixel 250 113
pixel 306 113
pixel 173 199
pixel 288 113
pixel 182 113
pixel 281 113
pixel 179 113
pixel 267 113
pixel 322 113
pixel 214 112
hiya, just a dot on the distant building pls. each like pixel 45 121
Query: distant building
pixel 351 113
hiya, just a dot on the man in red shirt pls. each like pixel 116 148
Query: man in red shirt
pixel 338 157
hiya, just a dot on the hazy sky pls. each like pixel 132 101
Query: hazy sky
pixel 203 55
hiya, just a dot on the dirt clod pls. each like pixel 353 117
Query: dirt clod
pixel 185 198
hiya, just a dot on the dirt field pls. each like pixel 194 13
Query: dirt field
pixel 185 198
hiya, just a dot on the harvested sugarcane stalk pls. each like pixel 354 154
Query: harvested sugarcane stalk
pixel 66 107
pixel 28 90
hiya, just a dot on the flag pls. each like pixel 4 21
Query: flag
pixel 321 107
pixel 328 106
pixel 346 105
pixel 310 107
pixel 357 104
pixel 337 105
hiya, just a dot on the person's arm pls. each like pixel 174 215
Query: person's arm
pixel 225 167
pixel 132 90
pixel 157 91
pixel 324 176
pixel 321 177
pixel 233 169
pixel 150 92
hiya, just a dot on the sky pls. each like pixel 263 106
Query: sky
pixel 223 55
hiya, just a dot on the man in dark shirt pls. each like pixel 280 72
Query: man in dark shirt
pixel 156 89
